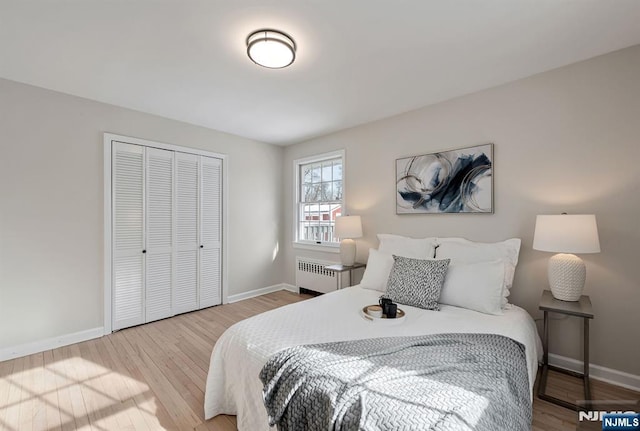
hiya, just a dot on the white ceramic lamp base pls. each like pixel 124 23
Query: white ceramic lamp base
pixel 567 274
pixel 347 252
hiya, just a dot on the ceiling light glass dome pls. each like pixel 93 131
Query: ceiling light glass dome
pixel 271 48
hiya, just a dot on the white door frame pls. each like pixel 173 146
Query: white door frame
pixel 108 222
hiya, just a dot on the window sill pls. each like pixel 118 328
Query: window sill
pixel 326 248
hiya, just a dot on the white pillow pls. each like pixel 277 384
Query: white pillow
pixel 463 250
pixel 476 286
pixel 414 248
pixel 376 274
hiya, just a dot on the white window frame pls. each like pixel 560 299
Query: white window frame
pixel 312 245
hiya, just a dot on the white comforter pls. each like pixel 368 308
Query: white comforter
pixel 233 386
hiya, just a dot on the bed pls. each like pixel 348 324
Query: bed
pixel 233 386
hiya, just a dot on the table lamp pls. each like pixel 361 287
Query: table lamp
pixel 347 228
pixel 566 234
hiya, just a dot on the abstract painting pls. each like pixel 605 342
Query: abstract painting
pixel 454 181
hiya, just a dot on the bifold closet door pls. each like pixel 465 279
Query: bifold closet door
pixel 128 268
pixel 211 231
pixel 159 234
pixel 198 232
pixel 185 292
pixel 167 233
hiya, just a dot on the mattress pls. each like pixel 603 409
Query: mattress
pixel 233 386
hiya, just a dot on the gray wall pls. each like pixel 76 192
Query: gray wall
pixel 565 140
pixel 51 197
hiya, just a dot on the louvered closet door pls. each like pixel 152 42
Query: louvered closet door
pixel 185 292
pixel 128 235
pixel 159 238
pixel 211 231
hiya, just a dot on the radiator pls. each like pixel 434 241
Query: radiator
pixel 311 275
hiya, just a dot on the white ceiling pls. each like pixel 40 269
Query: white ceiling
pixel 357 60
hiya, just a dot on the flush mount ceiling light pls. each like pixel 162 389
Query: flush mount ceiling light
pixel 271 48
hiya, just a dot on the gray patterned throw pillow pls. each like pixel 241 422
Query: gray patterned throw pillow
pixel 416 282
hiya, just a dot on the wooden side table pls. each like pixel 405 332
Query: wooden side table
pixel 581 308
pixel 339 269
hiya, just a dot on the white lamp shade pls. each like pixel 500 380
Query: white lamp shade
pixel 348 227
pixel 566 233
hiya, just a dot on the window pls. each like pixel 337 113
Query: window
pixel 319 198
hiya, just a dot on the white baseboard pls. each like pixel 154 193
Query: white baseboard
pixel 597 372
pixel 89 334
pixel 290 288
pixel 260 292
pixel 49 343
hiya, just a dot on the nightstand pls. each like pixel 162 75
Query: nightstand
pixel 581 308
pixel 340 269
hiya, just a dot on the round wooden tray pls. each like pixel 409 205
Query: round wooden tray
pixel 400 315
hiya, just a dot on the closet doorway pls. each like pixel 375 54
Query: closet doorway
pixel 165 233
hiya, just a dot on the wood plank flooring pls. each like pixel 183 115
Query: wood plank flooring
pixel 152 377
